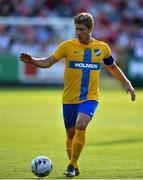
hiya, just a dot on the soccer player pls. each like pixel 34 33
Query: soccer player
pixel 83 58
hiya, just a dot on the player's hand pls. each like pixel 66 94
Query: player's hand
pixel 25 58
pixel 129 89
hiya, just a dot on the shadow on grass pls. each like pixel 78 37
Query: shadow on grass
pixel 115 142
pixel 63 177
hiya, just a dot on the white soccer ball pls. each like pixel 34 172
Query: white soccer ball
pixel 41 166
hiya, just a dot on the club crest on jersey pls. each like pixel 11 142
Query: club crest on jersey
pixel 97 52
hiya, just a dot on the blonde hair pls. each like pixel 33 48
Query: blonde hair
pixel 85 18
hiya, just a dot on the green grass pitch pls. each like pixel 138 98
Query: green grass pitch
pixel 31 125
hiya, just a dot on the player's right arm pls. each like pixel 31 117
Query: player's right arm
pixel 47 62
pixel 39 62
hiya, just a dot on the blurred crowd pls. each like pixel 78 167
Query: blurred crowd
pixel 117 22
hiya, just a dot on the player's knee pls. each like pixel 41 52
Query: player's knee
pixel 70 133
pixel 82 121
pixel 81 126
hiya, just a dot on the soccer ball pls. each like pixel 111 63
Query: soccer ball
pixel 41 166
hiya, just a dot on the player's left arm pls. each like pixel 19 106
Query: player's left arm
pixel 118 74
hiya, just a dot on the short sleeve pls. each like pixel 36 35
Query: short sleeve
pixel 60 51
pixel 107 51
pixel 108 59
